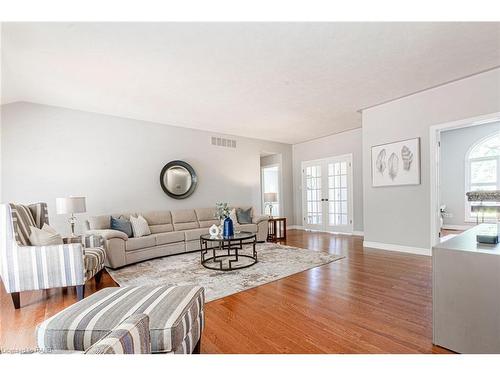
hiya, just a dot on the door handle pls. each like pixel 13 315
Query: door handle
pixel 324 199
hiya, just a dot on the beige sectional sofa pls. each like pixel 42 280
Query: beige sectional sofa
pixel 172 232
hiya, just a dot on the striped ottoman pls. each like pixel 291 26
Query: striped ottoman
pixel 175 318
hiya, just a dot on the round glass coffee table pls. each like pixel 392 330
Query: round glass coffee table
pixel 226 253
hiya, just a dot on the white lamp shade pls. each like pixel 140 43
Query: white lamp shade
pixel 270 197
pixel 70 205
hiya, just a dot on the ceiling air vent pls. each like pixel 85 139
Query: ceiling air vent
pixel 223 142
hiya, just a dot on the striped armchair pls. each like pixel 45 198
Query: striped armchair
pixel 24 267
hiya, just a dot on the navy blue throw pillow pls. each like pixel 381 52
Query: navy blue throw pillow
pixel 123 225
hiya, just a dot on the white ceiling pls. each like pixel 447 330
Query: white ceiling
pixel 286 82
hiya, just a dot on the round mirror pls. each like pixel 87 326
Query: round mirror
pixel 178 179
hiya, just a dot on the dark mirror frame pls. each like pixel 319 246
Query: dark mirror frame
pixel 194 179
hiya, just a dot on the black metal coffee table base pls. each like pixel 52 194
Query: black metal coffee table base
pixel 212 258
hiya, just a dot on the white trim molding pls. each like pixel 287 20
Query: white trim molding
pixel 358 233
pixel 400 248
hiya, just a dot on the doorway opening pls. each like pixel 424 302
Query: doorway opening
pixel 271 184
pixel 464 156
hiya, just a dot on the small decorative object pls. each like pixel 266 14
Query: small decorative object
pixel 407 157
pixel 402 167
pixel 393 163
pixel 269 199
pixel 228 227
pixel 72 206
pixel 489 236
pixel 443 214
pixel 222 212
pixel 380 163
pixel 214 231
pixel 178 179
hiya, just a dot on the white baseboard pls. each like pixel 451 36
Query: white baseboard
pixel 456 227
pixel 294 227
pixel 400 248
pixel 300 227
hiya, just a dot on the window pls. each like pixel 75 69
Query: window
pixel 482 169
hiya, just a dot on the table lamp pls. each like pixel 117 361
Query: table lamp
pixel 72 206
pixel 270 198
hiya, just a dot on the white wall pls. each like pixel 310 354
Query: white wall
pixel 348 142
pixel 50 152
pixel 454 146
pixel 401 215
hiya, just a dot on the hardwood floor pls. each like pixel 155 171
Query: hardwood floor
pixel 372 301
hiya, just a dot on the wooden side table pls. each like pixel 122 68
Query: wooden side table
pixel 277 229
pixel 69 240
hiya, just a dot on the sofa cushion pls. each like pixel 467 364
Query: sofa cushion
pixel 108 234
pixel 208 223
pixel 252 228
pixel 194 234
pixel 206 217
pixel 171 310
pixel 184 219
pixel 99 222
pixel 169 237
pixel 93 260
pixel 136 243
pixel 159 221
pixel 122 225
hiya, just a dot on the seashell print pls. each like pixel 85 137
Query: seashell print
pixel 393 165
pixel 407 157
pixel 380 163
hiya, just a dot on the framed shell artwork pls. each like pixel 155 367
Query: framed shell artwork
pixel 396 163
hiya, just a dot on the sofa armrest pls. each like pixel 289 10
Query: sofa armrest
pixel 134 329
pixel 92 240
pixel 260 218
pixel 108 234
pixel 44 267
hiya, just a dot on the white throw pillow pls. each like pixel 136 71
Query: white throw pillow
pixel 45 236
pixel 140 226
pixel 47 228
pixel 232 216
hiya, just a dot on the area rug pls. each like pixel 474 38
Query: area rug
pixel 274 262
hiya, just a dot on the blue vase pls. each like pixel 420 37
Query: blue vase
pixel 228 227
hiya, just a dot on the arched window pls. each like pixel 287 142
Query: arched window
pixel 482 168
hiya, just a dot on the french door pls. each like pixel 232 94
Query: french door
pixel 327 194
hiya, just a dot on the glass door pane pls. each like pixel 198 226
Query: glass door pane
pixel 313 204
pixel 338 213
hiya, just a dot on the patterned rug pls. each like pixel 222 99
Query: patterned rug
pixel 275 262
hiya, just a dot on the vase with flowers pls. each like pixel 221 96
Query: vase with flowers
pixel 222 211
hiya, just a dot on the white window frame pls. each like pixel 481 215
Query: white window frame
pixel 469 218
